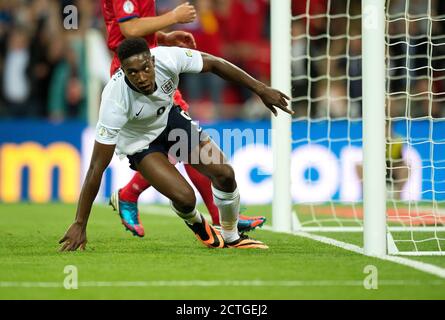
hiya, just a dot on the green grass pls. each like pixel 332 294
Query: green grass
pixel 169 251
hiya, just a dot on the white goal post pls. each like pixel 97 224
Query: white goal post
pixel 363 76
pixel 374 167
pixel 281 125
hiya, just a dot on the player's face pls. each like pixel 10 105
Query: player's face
pixel 140 70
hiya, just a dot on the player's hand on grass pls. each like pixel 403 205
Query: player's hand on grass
pixel 273 98
pixel 184 13
pixel 180 39
pixel 74 238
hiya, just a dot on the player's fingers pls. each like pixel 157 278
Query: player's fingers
pixel 190 40
pixel 193 43
pixel 289 111
pixel 191 10
pixel 69 246
pixel 63 239
pixel 191 18
pixel 283 102
pixel 271 108
pixel 285 96
pixel 83 246
pixel 73 246
pixel 79 245
pixel 65 246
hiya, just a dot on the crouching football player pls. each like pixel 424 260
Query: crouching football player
pixel 138 119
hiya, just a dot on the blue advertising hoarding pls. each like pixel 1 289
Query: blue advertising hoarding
pixel 42 161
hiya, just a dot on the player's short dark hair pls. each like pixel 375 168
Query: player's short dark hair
pixel 132 46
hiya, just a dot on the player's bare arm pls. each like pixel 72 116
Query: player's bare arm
pixel 140 27
pixel 75 237
pixel 176 39
pixel 271 97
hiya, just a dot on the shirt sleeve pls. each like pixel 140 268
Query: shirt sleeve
pixel 186 60
pixel 126 9
pixel 112 117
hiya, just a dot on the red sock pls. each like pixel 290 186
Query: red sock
pixel 202 183
pixel 134 188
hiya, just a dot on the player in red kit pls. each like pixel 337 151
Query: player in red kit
pixel 137 18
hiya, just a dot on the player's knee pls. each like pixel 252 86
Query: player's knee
pixel 184 200
pixel 224 178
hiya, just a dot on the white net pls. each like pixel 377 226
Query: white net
pixel 327 127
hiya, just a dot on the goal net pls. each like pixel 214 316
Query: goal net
pixel 327 137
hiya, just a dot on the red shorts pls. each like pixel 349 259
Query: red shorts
pixel 177 99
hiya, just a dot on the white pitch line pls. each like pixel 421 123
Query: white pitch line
pixel 163 211
pixel 226 283
pixel 415 264
pixel 418 265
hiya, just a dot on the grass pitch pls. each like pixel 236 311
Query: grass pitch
pixel 169 263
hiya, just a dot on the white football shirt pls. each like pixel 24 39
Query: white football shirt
pixel 132 120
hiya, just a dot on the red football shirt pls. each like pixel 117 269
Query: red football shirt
pixel 117 11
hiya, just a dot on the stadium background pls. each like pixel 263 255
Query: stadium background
pixel 50 82
pixel 50 85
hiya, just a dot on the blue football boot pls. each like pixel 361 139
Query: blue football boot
pixel 129 213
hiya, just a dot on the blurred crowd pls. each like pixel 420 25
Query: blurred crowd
pixel 239 31
pixel 42 61
pixel 327 66
pixel 44 70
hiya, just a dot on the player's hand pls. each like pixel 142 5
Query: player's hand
pixel 180 39
pixel 74 238
pixel 273 98
pixel 184 13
